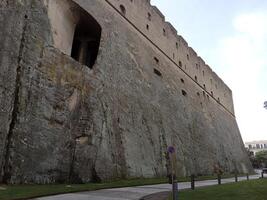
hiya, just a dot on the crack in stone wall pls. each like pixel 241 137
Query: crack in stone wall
pixel 6 166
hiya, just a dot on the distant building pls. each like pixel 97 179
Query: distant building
pixel 256 146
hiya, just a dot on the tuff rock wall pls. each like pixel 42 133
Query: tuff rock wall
pixel 61 121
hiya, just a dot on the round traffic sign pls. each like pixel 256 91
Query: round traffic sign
pixel 171 149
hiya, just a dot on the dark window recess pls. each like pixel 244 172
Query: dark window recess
pixel 86 40
pixel 203 73
pixel 184 92
pixel 182 80
pixel 156 59
pixel 180 64
pixel 204 94
pixel 147 27
pixel 198 94
pixel 164 32
pixel 123 10
pixel 211 93
pixel 196 78
pixel 204 86
pixel 218 99
pixel 157 72
pixel 149 16
pixel 187 57
pixel 176 45
pixel 173 56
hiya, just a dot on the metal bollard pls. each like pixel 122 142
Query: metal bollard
pixel 219 179
pixel 192 181
pixel 175 190
pixel 236 178
pixel 247 177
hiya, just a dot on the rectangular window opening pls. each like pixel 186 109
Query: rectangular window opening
pixel 157 72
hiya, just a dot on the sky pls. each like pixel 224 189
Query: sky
pixel 231 36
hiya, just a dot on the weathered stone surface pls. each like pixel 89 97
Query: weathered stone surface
pixel 61 121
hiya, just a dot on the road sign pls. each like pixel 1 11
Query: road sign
pixel 171 149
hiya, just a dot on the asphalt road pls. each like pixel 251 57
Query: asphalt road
pixel 135 193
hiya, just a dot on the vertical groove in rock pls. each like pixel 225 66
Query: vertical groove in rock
pixel 72 162
pixel 6 167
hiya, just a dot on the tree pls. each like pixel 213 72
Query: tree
pixel 261 157
pixel 255 163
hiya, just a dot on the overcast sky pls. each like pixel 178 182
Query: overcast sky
pixel 231 36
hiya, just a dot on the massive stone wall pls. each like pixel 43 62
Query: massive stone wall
pixel 151 22
pixel 62 121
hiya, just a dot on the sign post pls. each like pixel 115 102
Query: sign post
pixel 171 152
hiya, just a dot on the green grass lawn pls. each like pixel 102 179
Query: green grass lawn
pixel 245 190
pixel 31 191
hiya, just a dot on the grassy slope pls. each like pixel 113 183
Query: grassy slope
pixel 245 190
pixel 31 191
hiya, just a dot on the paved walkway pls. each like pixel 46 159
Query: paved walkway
pixel 135 193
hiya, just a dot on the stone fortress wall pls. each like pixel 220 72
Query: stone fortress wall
pixel 64 121
pixel 150 22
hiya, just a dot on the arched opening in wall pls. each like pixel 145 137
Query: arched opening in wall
pixel 184 93
pixel 164 32
pixel 211 93
pixel 86 40
pixel 149 16
pixel 156 60
pixel 204 86
pixel 196 78
pixel 122 9
pixel 180 64
pixel 157 72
